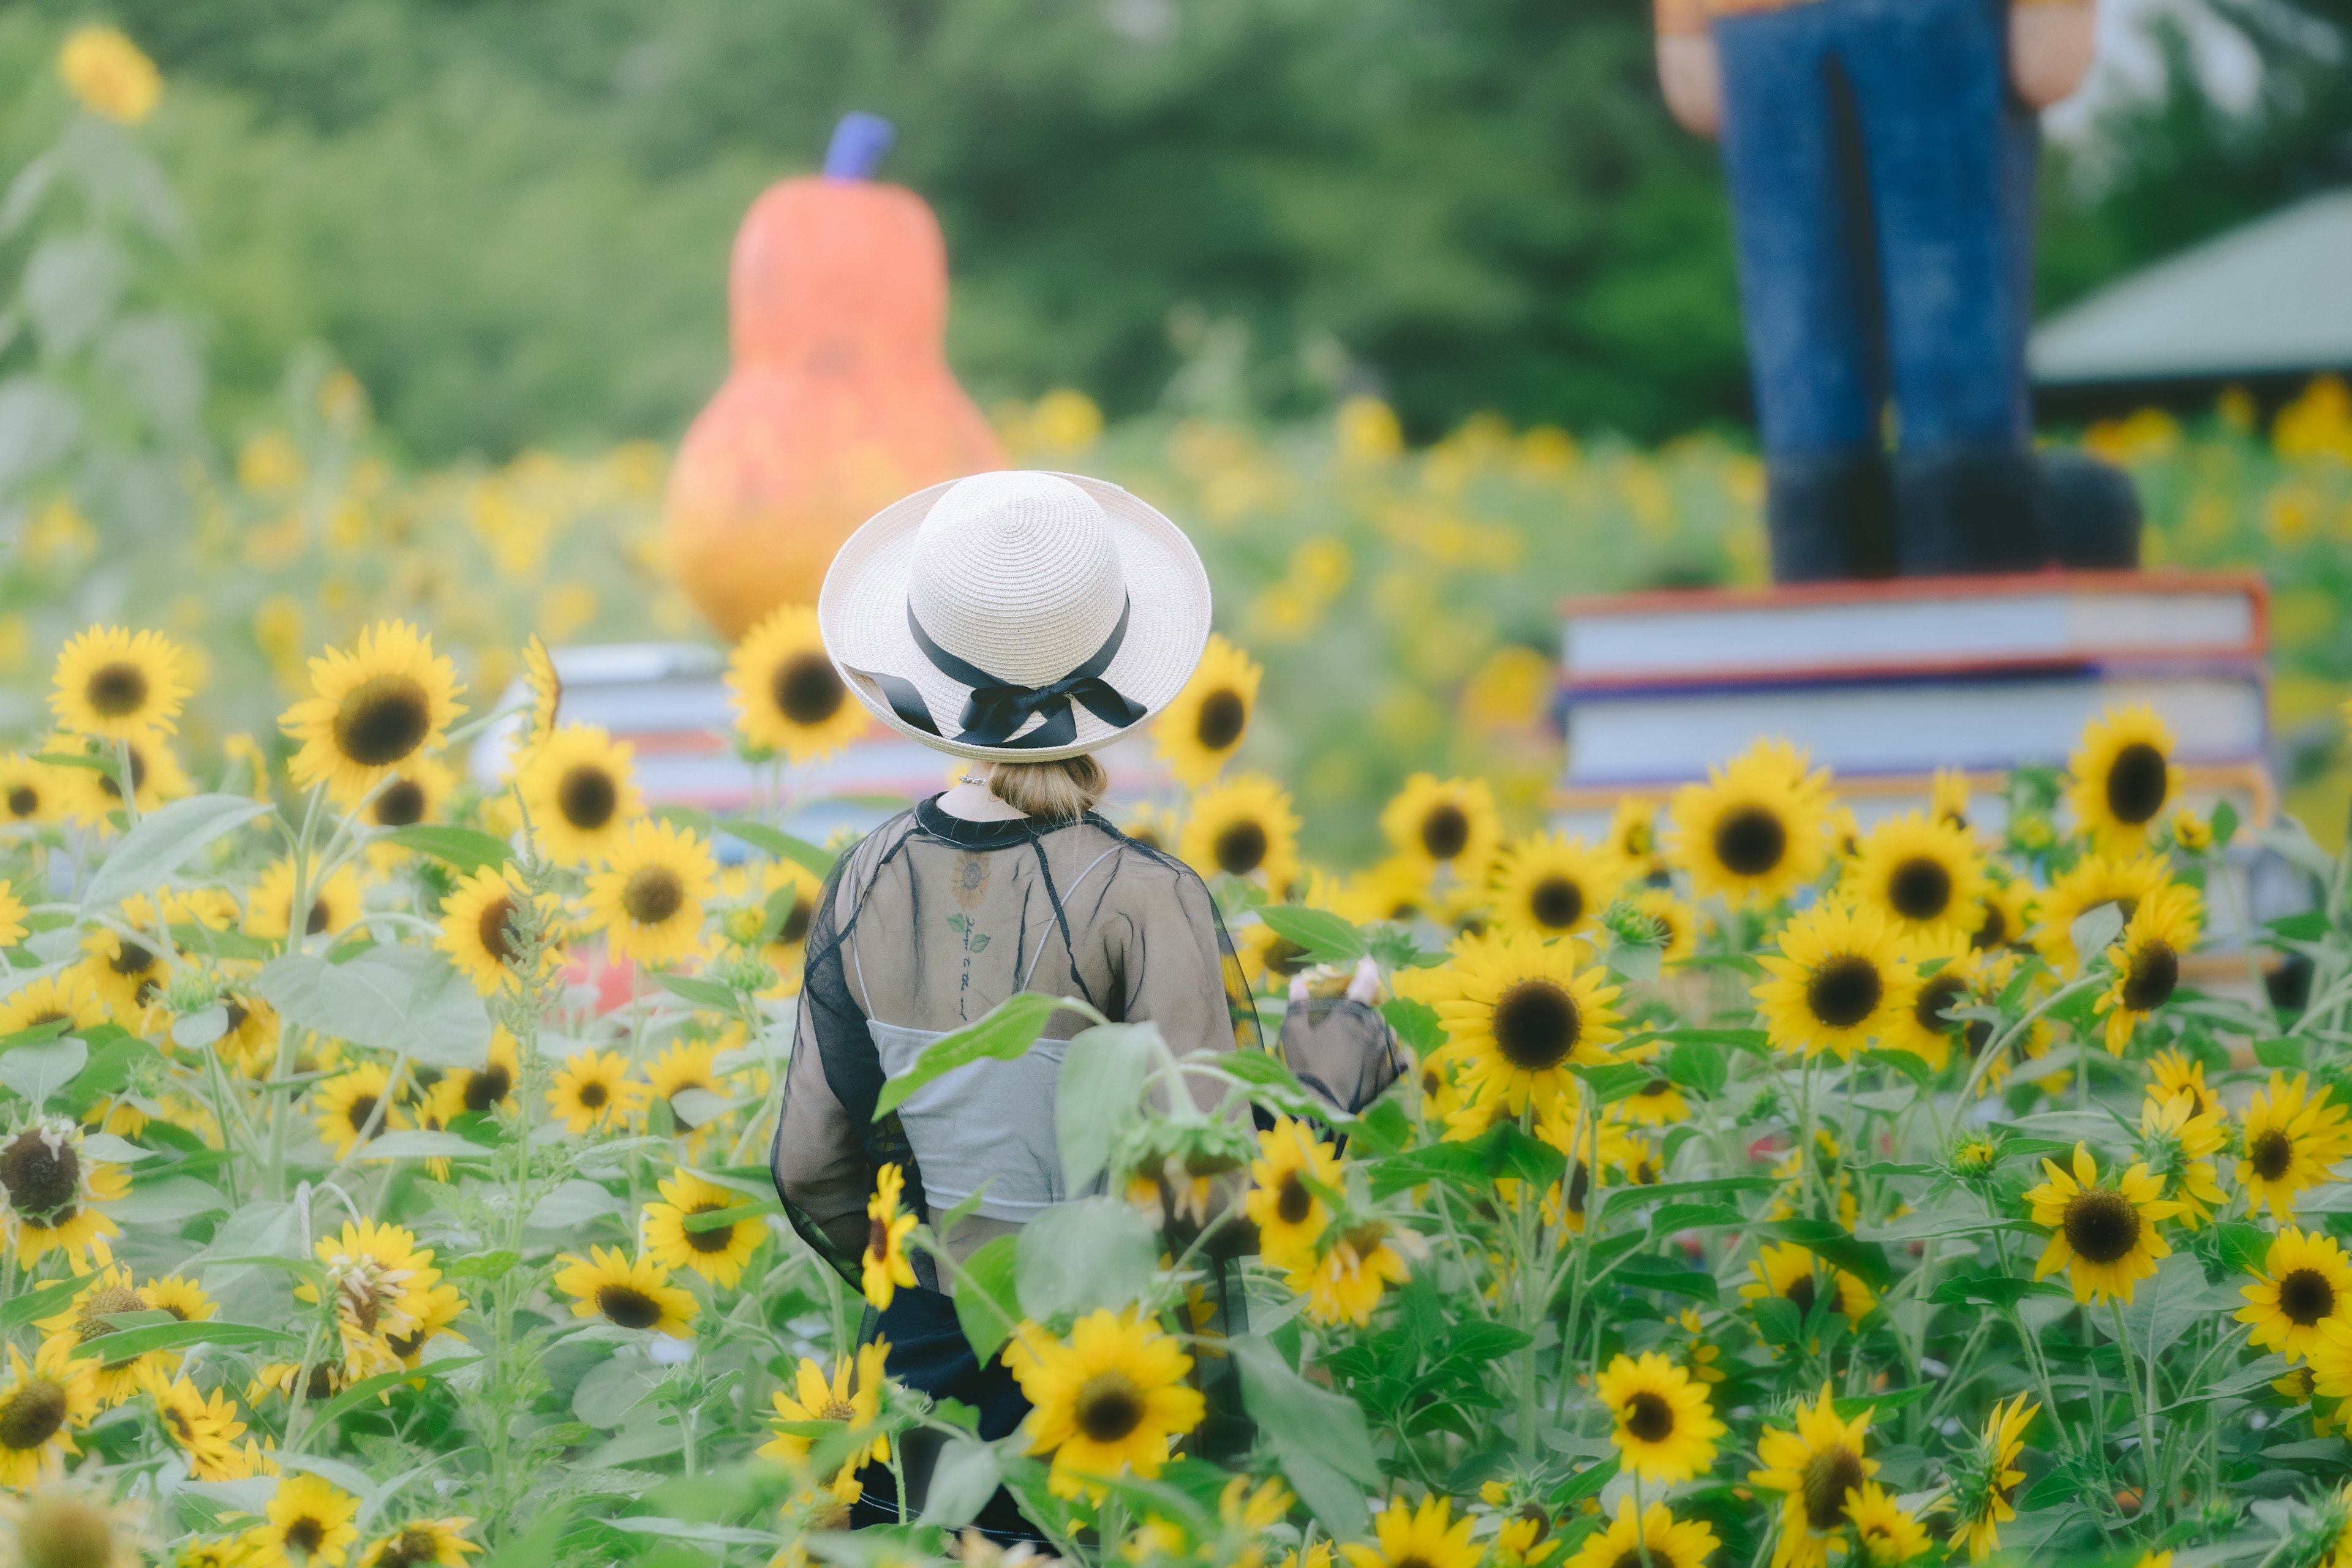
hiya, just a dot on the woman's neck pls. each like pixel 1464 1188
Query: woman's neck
pixel 975 803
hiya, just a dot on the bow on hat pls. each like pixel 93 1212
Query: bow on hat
pixel 995 709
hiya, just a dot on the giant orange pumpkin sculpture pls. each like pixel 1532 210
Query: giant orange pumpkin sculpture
pixel 839 401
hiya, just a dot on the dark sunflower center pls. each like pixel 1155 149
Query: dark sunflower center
pixel 1223 714
pixel 2138 782
pixel 116 689
pixel 2155 970
pixel 1444 831
pixel 32 1415
pixel 1937 993
pixel 2270 1151
pixel 1631 1558
pixel 2101 1225
pixel 1920 889
pixel 24 800
pixel 2305 1296
pixel 105 781
pixel 1293 1203
pixel 1802 1294
pixel 1749 840
pixel 1556 902
pixel 807 689
pixel 587 796
pixel 716 1238
pixel 400 803
pixel 1829 1476
pixel 1240 848
pixel 593 1095
pixel 381 720
pixel 1845 989
pixel 628 1306
pixel 488 1087
pixel 362 1105
pixel 1109 1406
pixel 411 1549
pixel 796 922
pixel 878 1238
pixel 306 1533
pixel 652 894
pixel 92 1324
pixel 320 915
pixel 1579 1183
pixel 1649 1417
pixel 40 1180
pixel 129 958
pixel 1993 931
pixel 1536 1025
pixel 1657 1088
pixel 490 928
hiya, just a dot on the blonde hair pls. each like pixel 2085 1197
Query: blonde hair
pixel 1057 791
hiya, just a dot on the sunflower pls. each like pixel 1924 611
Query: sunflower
pixel 1198 733
pixel 1999 920
pixel 1632 837
pixel 595 1089
pixel 2147 961
pixel 1109 1400
pixel 477 928
pixel 2120 777
pixel 2092 880
pixel 31 791
pixel 546 689
pixel 2304 1282
pixel 204 1428
pixel 1792 1273
pixel 335 906
pixel 444 1305
pixel 1835 983
pixel 52 1186
pixel 688 1065
pixel 2108 1235
pixel 251 1040
pixel 42 1404
pixel 1920 873
pixel 632 1295
pixel 1888 1532
pixel 648 897
pixel 483 1089
pixel 352 1106
pixel 112 683
pixel 308 1523
pixel 421 1541
pixel 84 1319
pixel 378 1277
pixel 1523 1013
pixel 1815 1467
pixel 1425 1536
pixel 1153 826
pixel 716 1253
pixel 2178 1077
pixel 1665 1430
pixel 1290 1216
pixel 853 1396
pixel 1243 827
pixel 1948 798
pixel 2291 1139
pixel 1668 1542
pixel 67 998
pixel 92 795
pixel 2179 1141
pixel 1920 1026
pixel 126 973
pixel 1396 888
pixel 372 708
pixel 581 793
pixel 1445 822
pixel 1346 1282
pixel 413 793
pixel 1679 920
pixel 1657 1103
pixel 788 696
pixel 1985 1480
pixel 1757 830
pixel 1552 885
pixel 885 1261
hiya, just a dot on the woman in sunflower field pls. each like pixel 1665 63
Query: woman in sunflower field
pixel 1022 621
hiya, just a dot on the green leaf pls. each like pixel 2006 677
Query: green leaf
pixel 2280 1053
pixel 2310 925
pixel 394 999
pixel 1614 1080
pixel 366 1390
pixel 1321 936
pixel 1827 1239
pixel 1318 1437
pixel 780 844
pixel 2241 1248
pixel 719 1219
pixel 411 1144
pixel 1584 1484
pixel 709 994
pixel 1076 1257
pixel 987 1300
pixel 2224 822
pixel 1880 1404
pixel 1778 1322
pixel 1005 1035
pixel 1099 1094
pixel 166 839
pixel 1647 1271
pixel 482 1265
pixel 38 1072
pixel 1416 1023
pixel 469 850
pixel 1749 1040
pixel 1695 1065
pixel 179 1336
pixel 963 1478
pixel 42 1301
pixel 1904 1062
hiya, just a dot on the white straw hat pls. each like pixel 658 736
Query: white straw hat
pixel 1020 615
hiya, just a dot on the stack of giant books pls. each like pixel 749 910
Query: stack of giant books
pixel 1886 682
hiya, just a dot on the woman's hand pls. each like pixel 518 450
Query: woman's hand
pixel 2049 49
pixel 1691 81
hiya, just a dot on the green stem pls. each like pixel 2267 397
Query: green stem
pixel 2149 1477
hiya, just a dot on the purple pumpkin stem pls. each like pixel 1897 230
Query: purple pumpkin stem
pixel 858 143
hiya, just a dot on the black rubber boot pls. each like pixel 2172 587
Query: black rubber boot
pixel 1966 511
pixel 2090 514
pixel 1831 518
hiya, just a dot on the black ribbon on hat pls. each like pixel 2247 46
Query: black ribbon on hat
pixel 995 709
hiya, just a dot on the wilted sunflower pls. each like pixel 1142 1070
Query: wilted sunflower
pixel 853 1396
pixel 1346 1282
pixel 1523 1013
pixel 334 905
pixel 638 1294
pixel 546 689
pixel 420 1542
pixel 2304 1284
pixel 377 1278
pixel 1198 733
pixel 648 897
pixel 1835 982
pixel 1445 822
pixel 1424 1537
pixel 352 1106
pixel 718 1253
pixel 883 1264
pixel 2293 1138
pixel 1920 874
pixel 788 696
pixel 1792 1273
pixel 1667 1541
pixel 581 795
pixel 595 1089
pixel 112 683
pixel 204 1428
pixel 1551 884
pixel 1984 1480
pixel 30 791
pixel 477 928
pixel 1290 1216
pixel 1109 1401
pixel 2106 1237
pixel 1757 830
pixel 2091 882
pixel 2120 777
pixel 1815 1467
pixel 306 1521
pixel 373 709
pixel 52 1186
pixel 2147 961
pixel 1242 828
pixel 1890 1534
pixel 1665 1430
